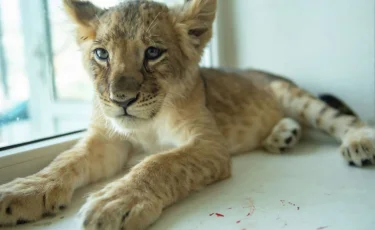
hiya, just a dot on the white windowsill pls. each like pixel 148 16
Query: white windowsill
pixel 28 159
pixel 330 195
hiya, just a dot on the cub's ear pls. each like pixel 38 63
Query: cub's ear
pixel 85 15
pixel 195 20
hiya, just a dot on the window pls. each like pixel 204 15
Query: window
pixel 44 90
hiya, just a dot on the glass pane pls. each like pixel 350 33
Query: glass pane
pixel 14 85
pixel 44 90
pixel 172 2
pixel 71 80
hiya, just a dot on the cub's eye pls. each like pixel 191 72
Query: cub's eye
pixel 101 54
pixel 153 53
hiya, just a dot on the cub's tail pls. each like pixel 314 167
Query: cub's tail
pixel 326 113
pixel 338 104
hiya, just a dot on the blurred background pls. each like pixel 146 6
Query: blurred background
pixel 324 46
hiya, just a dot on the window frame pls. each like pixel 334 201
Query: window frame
pixel 39 66
pixel 41 71
pixel 3 67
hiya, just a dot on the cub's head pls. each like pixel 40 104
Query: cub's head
pixel 139 52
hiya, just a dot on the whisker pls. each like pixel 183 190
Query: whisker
pixel 153 23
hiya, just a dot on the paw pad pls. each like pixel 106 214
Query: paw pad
pixel 284 136
pixel 20 207
pixel 288 140
pixel 8 210
pixel 358 147
pixel 22 221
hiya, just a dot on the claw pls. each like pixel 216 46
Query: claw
pixel 8 210
pixel 22 221
pixel 366 162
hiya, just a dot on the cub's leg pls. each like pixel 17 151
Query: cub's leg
pixel 284 135
pixel 50 190
pixel 357 139
pixel 137 200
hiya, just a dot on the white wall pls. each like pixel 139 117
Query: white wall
pixel 324 45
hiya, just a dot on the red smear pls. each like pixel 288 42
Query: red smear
pixel 238 221
pixel 212 214
pixel 219 215
pixel 252 210
pixel 251 207
pixel 297 208
pixel 321 228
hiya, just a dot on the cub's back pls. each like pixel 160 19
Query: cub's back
pixel 243 107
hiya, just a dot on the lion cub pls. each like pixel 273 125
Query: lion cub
pixel 151 95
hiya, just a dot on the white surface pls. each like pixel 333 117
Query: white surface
pixel 313 177
pixel 324 45
pixel 26 160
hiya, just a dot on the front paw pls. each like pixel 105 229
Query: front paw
pixel 120 208
pixel 28 199
pixel 358 146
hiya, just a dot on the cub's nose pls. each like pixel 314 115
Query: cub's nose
pixel 124 91
pixel 125 103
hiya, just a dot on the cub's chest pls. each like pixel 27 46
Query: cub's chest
pixel 153 140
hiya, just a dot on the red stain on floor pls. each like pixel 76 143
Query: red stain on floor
pixel 252 208
pixel 219 215
pixel 238 221
pixel 321 228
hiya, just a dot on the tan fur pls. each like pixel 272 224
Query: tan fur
pixel 192 118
